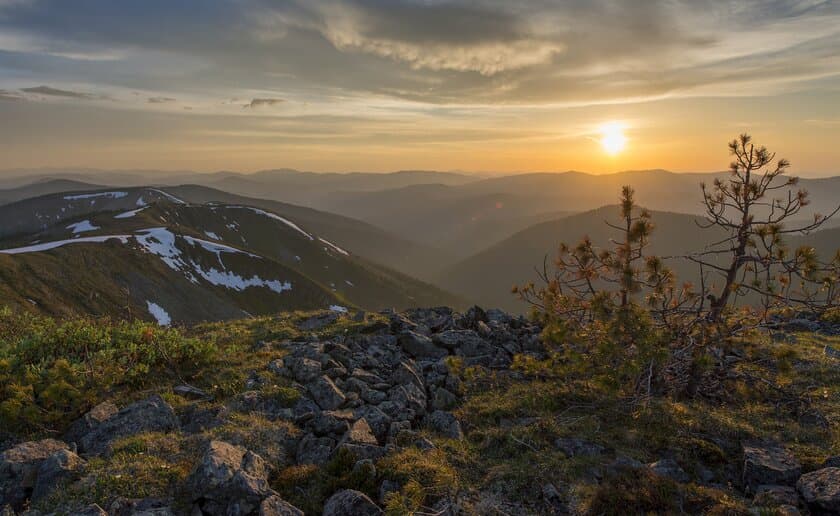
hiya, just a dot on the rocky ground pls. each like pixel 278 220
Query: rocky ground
pixel 342 424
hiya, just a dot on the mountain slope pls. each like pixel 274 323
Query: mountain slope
pixel 42 188
pixel 191 262
pixel 360 238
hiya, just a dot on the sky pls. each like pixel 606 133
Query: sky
pixel 381 85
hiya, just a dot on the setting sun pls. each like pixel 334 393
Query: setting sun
pixel 612 138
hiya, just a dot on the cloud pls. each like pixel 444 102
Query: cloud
pixel 256 103
pixel 55 92
pixel 470 52
pixel 160 100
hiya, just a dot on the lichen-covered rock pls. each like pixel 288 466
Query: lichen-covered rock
pixel 348 502
pixel 276 506
pixel 445 424
pixel 229 480
pixel 326 394
pixel 821 490
pixel 420 346
pixel 60 467
pixel 93 418
pixel 150 415
pixel 769 464
pixel 775 496
pixel 19 469
pixel 670 469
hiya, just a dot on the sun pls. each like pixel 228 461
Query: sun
pixel 612 138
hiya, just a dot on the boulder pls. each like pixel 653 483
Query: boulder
pixel 670 469
pixel 91 510
pixel 190 392
pixel 360 441
pixel 140 507
pixel 229 480
pixel 89 421
pixel 276 506
pixel 419 346
pixel 454 339
pixel 445 424
pixel 821 490
pixel 775 496
pixel 317 322
pixel 59 468
pixel 444 400
pixel 348 502
pixel 150 415
pixel 326 394
pixel 314 450
pixel 574 447
pixel 19 468
pixel 769 464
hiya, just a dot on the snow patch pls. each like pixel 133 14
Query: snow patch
pixel 129 214
pixel 276 217
pixel 334 247
pixel 212 235
pixel 82 226
pixel 167 195
pixel 160 315
pixel 46 246
pixel 338 308
pixel 349 283
pixel 112 195
pixel 236 282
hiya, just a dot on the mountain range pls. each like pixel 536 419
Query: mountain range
pixel 472 237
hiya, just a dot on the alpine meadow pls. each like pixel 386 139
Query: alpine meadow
pixel 419 257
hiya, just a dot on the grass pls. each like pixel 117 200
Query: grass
pixel 50 372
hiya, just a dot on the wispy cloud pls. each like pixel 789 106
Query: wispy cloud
pixel 49 91
pixel 262 102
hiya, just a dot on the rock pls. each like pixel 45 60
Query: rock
pixel 317 322
pixel 276 506
pixel 419 346
pixel 832 462
pixel 150 415
pixel 189 392
pixel 774 496
pixel 821 490
pixel 405 374
pixel 142 507
pixel 229 480
pixel 444 400
pixel 348 502
pixel 378 421
pixel 361 442
pixel 331 422
pixel 303 369
pixel 90 510
pixel 768 464
pixel 89 421
pixel 471 318
pixel 802 325
pixel 573 447
pixel 409 396
pixel 314 450
pixel 359 433
pixel 453 339
pixel 59 468
pixel 670 469
pixel 445 424
pixel 19 469
pixel 326 394
pixel 387 487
